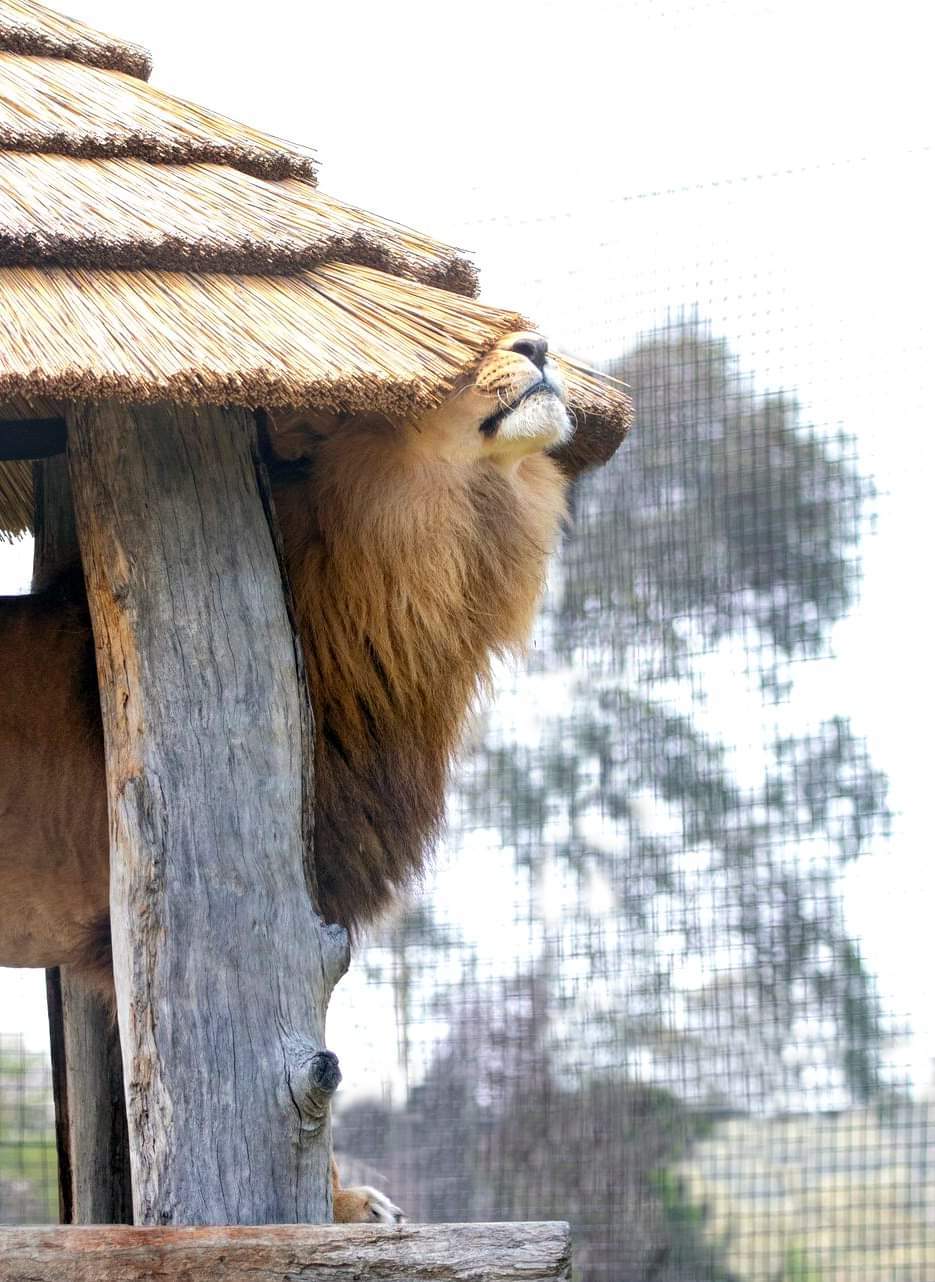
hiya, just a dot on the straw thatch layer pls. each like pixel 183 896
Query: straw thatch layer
pixel 342 337
pixel 30 28
pixel 47 105
pixel 62 212
pixel 15 500
pixel 16 494
pixel 407 249
pixel 603 414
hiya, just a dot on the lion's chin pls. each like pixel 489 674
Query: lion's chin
pixel 540 422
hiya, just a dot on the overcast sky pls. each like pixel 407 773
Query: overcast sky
pixel 532 134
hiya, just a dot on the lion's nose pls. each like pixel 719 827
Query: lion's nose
pixel 533 347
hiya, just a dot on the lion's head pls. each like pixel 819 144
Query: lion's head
pixel 513 404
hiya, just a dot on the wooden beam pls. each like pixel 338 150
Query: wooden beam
pixel 87 1077
pixel 223 970
pixel 538 1252
pixel 27 438
pixel 54 538
pixel 56 542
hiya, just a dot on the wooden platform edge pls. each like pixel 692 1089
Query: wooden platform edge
pixel 500 1252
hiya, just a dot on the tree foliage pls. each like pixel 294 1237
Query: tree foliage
pixel 725 529
pixel 521 1139
pixel 724 512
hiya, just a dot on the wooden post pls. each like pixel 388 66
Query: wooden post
pixel 538 1252
pixel 56 543
pixel 90 1117
pixel 87 1078
pixel 223 970
pixel 53 999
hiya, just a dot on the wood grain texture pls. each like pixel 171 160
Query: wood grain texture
pixel 223 970
pixel 56 541
pixel 90 1116
pixel 97 1119
pixel 87 1076
pixel 537 1252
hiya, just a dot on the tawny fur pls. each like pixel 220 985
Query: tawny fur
pixel 362 1204
pixel 412 573
pixel 416 553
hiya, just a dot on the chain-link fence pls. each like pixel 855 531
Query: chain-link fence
pixel 668 979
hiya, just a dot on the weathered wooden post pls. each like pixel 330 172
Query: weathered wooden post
pixel 223 971
pixel 90 1113
pixel 91 1126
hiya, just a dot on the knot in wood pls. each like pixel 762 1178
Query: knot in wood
pixel 314 1076
pixel 336 953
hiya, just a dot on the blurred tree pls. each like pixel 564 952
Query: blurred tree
pixel 724 516
pixel 498 1130
pixel 692 950
pixel 721 542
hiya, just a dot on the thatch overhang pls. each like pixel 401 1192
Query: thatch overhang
pixel 29 28
pixel 16 499
pixel 342 336
pixel 126 213
pixel 70 109
pixel 152 250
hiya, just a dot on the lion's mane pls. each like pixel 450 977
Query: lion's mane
pixel 409 575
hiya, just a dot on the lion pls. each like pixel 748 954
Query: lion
pixel 416 553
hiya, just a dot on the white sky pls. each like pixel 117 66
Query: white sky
pixel 526 133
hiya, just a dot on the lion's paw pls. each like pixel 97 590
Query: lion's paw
pixel 365 1205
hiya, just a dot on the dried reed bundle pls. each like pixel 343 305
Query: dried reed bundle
pixel 343 337
pixel 16 493
pixel 65 212
pixel 48 105
pixel 15 500
pixel 460 275
pixel 604 414
pixel 30 28
pixel 26 407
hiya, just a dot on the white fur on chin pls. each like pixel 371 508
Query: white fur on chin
pixel 540 418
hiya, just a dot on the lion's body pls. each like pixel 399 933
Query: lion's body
pixel 53 798
pixel 411 567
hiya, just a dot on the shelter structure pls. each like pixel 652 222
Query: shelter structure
pixel 164 273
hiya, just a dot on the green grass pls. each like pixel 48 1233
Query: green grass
pixel 32 1162
pixel 797 1267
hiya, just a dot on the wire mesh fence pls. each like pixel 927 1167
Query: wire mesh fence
pixel 668 977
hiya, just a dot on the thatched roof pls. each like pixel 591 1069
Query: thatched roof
pixel 150 249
